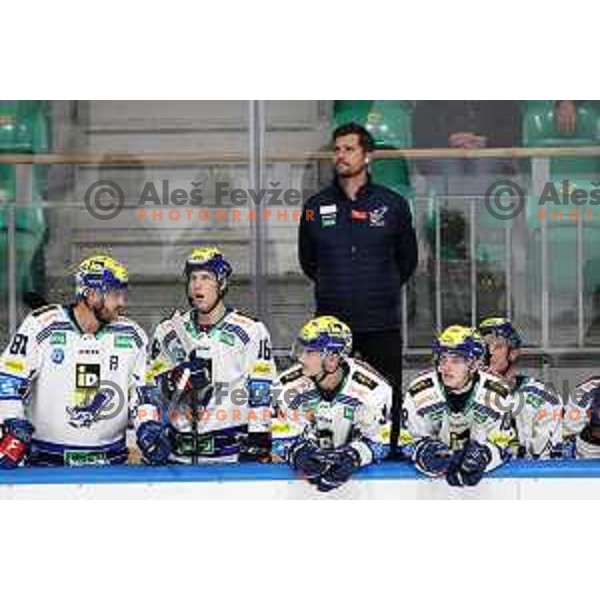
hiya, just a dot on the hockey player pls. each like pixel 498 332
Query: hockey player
pixel 581 422
pixel 70 375
pixel 331 409
pixel 536 409
pixel 214 367
pixel 454 414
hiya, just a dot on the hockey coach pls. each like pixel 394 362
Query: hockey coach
pixel 357 244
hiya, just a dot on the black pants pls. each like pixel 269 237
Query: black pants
pixel 383 351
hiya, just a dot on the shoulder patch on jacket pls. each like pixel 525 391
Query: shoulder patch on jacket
pixel 291 376
pixel 496 386
pixel 44 309
pixel 367 367
pixel 364 380
pixel 245 315
pixel 424 384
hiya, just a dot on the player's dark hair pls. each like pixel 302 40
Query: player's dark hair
pixel 365 139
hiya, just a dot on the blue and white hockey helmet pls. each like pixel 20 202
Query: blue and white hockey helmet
pixel 461 341
pixel 502 328
pixel 327 335
pixel 209 258
pixel 101 273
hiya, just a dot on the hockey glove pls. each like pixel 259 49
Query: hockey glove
pixel 200 371
pixel 341 463
pixel 432 457
pixel 153 441
pixel 256 447
pixel 307 458
pixel 16 442
pixel 469 465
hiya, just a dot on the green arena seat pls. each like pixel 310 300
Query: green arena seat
pixel 539 131
pixel 24 128
pixel 562 237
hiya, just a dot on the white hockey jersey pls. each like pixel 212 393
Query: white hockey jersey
pixel 484 418
pixel 77 389
pixel 236 353
pixel 576 436
pixel 356 413
pixel 537 414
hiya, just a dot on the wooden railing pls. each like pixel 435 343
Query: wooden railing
pixel 193 158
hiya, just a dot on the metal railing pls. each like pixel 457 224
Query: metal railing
pixel 258 161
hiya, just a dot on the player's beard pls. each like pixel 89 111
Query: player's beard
pixel 349 173
pixel 104 316
pixel 503 367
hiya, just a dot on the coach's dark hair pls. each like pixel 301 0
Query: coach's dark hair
pixel 365 139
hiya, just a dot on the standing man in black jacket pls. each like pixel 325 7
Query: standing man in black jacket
pixel 357 243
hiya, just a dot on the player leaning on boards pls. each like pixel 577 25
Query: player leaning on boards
pixel 331 410
pixel 536 409
pixel 453 413
pixel 71 374
pixel 213 368
pixel 581 422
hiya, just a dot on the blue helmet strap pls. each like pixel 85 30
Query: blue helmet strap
pixel 324 372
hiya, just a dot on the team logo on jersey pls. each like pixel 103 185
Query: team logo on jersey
pixel 58 338
pixel 57 356
pixel 87 376
pixel 348 413
pixel 123 341
pixel 377 217
pixel 99 407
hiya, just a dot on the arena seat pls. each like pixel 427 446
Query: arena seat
pixel 562 238
pixel 539 131
pixel 24 128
